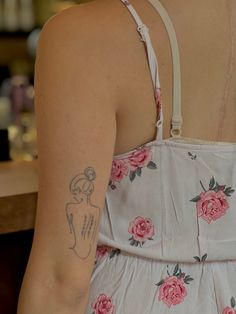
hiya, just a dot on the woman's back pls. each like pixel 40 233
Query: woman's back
pixel 167 236
pixel 206 34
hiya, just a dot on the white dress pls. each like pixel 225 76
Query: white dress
pixel 167 239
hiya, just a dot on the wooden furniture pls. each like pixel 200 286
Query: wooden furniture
pixel 18 202
pixel 18 195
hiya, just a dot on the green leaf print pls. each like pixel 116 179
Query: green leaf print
pixel 228 191
pixel 132 175
pixel 187 279
pixel 204 257
pixel 176 270
pixel 195 199
pixel 160 282
pixel 197 258
pixel 232 301
pixel 152 165
pixel 138 171
pixel 212 183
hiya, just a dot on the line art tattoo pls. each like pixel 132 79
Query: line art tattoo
pixel 82 215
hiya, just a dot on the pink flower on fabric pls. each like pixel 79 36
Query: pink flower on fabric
pixel 102 250
pixel 229 310
pixel 212 205
pixel 172 291
pixel 103 305
pixel 142 229
pixel 140 158
pixel 131 165
pixel 120 168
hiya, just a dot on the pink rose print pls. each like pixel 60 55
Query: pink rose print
pixel 120 168
pixel 103 305
pixel 228 309
pixel 141 229
pixel 131 165
pixel 140 158
pixel 212 204
pixel 172 289
pixel 103 250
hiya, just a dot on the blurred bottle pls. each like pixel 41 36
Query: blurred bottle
pixel 5 112
pixel 26 15
pixel 10 15
pixel 5 119
pixel 23 129
pixel 1 16
pixel 19 95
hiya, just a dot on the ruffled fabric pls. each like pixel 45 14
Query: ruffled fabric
pixel 124 283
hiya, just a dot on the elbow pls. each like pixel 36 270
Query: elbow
pixel 69 287
pixel 52 295
pixel 70 296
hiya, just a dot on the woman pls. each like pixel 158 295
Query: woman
pixel 164 202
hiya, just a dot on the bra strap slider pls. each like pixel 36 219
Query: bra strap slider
pixel 143 30
pixel 176 126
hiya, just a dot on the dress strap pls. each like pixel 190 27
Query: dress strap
pixel 154 68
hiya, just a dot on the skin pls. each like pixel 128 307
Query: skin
pixel 83 217
pixel 208 76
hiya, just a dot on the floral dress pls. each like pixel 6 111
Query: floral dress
pixel 167 238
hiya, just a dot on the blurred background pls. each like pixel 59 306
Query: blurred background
pixel 20 24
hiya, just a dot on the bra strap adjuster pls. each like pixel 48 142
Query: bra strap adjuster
pixel 176 126
pixel 143 30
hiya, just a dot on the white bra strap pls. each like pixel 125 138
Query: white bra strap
pixel 144 32
pixel 177 116
pixel 153 63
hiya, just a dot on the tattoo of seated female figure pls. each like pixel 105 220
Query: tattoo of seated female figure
pixel 82 215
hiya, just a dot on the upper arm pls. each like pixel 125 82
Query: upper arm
pixel 76 125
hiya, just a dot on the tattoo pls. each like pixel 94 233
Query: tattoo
pixel 82 215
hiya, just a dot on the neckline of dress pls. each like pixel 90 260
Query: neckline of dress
pixel 184 142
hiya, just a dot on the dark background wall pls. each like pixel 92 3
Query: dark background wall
pixel 14 253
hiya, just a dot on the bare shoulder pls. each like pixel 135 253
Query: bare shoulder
pixel 87 19
pixel 80 39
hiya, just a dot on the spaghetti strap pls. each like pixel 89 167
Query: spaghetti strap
pixel 154 68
